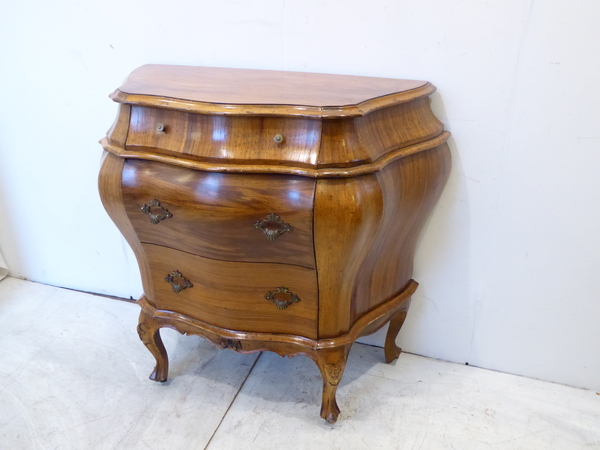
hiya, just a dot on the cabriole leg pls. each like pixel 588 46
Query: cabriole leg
pixel 331 363
pixel 392 351
pixel 149 332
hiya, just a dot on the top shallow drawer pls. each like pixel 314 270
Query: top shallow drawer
pixel 220 137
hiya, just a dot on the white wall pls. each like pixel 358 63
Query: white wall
pixel 509 261
pixel 3 268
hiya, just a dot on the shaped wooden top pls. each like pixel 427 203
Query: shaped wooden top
pixel 264 92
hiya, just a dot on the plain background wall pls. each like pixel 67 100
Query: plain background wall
pixel 509 262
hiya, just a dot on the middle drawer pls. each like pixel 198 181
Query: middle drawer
pixel 231 217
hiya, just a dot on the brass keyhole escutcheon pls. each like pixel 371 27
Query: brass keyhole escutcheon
pixel 155 212
pixel 178 281
pixel 272 226
pixel 282 297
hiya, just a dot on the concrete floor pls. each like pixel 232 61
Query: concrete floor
pixel 75 376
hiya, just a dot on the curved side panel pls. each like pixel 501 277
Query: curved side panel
pixel 366 229
pixel 411 186
pixel 347 216
pixel 109 185
pixel 363 140
pixel 398 126
pixel 340 145
pixel 117 134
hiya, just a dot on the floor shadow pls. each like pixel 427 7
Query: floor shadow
pixel 274 379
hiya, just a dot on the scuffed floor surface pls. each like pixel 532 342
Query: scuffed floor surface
pixel 74 375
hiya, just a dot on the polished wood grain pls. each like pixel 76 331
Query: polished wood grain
pixel 213 214
pixel 117 134
pixel 348 142
pixel 366 228
pixel 232 294
pixel 341 146
pixel 149 333
pixel 109 185
pixel 273 211
pixel 247 167
pixel 410 189
pixel 389 129
pixel 263 92
pixel 368 324
pixel 229 138
pixel 346 217
pixel 331 363
pixel 363 140
pixel 329 355
pixel 392 351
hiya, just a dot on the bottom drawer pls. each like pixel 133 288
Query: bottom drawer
pixel 232 294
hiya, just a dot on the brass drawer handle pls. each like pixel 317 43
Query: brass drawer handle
pixel 178 281
pixel 278 138
pixel 155 212
pixel 272 226
pixel 282 297
pixel 160 128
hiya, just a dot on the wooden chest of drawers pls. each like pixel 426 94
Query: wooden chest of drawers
pixel 273 210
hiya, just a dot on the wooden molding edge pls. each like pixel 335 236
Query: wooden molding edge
pixel 323 112
pixel 371 321
pixel 289 170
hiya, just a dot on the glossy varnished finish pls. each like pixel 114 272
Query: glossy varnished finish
pixel 273 211
pixel 392 351
pixel 109 185
pixel 340 171
pixel 347 216
pixel 264 92
pixel 330 355
pixel 213 214
pixel 149 333
pixel 352 142
pixel 117 134
pixel 367 228
pixel 228 138
pixel 232 294
pixel 410 188
pixel 308 144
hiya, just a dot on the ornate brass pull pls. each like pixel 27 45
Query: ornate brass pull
pixel 282 297
pixel 178 281
pixel 156 212
pixel 272 226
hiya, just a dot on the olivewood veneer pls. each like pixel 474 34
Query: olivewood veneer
pixel 273 210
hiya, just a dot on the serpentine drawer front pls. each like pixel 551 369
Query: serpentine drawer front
pixel 273 211
pixel 220 215
pixel 232 295
pixel 224 137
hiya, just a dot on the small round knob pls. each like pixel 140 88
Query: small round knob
pixel 278 138
pixel 160 127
